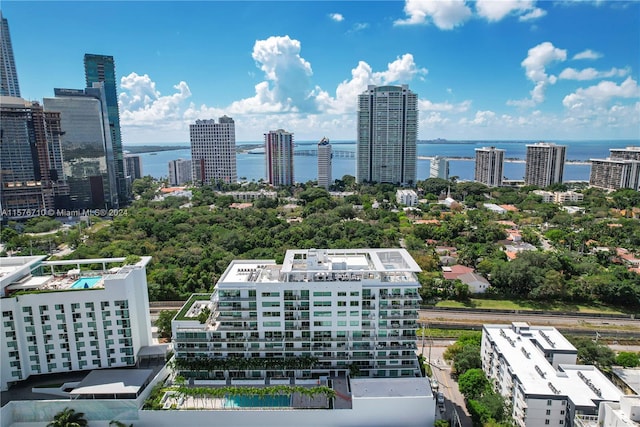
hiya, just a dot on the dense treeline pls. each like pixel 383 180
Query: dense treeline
pixel 192 242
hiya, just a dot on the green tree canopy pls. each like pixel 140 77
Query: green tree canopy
pixel 68 418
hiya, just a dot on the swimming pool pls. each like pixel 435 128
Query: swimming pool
pixel 256 401
pixel 85 282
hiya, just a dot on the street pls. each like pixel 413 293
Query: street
pixel 441 370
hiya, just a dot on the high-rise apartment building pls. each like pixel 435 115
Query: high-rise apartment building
pixel 620 170
pixel 87 152
pixel 278 146
pixel 101 68
pixel 387 135
pixel 213 151
pixel 180 172
pixel 489 166
pixel 30 178
pixel 8 75
pixel 439 167
pixel 71 320
pixel 331 311
pixel 132 167
pixel 325 156
pixel 544 164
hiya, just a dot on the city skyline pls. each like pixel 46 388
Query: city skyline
pixel 484 70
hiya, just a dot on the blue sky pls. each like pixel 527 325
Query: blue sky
pixel 485 69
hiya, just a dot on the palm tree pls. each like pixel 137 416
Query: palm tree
pixel 116 423
pixel 68 418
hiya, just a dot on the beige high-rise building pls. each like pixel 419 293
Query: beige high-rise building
pixel 544 164
pixel 278 145
pixel 213 151
pixel 489 166
pixel 620 170
pixel 387 135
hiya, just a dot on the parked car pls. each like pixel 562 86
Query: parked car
pixel 440 398
pixel 434 384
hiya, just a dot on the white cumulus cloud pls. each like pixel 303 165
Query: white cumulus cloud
pixel 288 79
pixel 141 104
pixel 602 93
pixel 535 64
pixel 400 71
pixel 591 73
pixel 336 17
pixel 445 14
pixel 494 10
pixel 587 54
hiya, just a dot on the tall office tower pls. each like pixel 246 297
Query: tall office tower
pixel 544 164
pixel 180 172
pixel 439 168
pixel 350 309
pixel 101 68
pixel 278 145
pixel 324 163
pixel 29 144
pixel 489 166
pixel 8 75
pixel 133 167
pixel 71 320
pixel 387 134
pixel 87 152
pixel 213 151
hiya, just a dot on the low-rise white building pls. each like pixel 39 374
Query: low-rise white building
pixel 56 319
pixel 534 369
pixel 406 197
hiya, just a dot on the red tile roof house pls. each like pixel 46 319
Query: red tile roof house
pixel 454 271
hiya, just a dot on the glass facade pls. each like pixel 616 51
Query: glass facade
pixel 87 151
pixel 101 68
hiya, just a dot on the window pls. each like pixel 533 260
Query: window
pixel 322 294
pixel 270 294
pixel 321 314
pixel 271 303
pixel 342 294
pixel 342 323
pixel 548 411
pixel 562 412
pixel 354 313
pixel 549 402
pixel 546 422
pixel 342 303
pixel 355 294
pixel 322 303
pixel 561 422
pixel 354 303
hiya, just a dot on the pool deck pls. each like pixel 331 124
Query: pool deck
pixel 298 401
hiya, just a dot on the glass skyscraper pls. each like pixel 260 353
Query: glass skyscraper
pixel 101 68
pixel 387 135
pixel 8 75
pixel 87 149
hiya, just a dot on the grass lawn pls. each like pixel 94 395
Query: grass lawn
pixel 529 305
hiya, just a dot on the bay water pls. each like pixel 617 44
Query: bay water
pixel 251 167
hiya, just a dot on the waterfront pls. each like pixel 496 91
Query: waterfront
pixel 252 167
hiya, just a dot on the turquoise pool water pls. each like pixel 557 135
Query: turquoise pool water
pixel 256 401
pixel 85 282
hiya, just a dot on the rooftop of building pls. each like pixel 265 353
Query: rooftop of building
pixel 113 382
pixel 520 345
pixel 393 265
pixel 33 274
